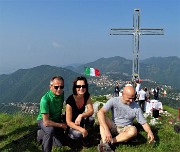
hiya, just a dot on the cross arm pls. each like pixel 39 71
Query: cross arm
pixel 151 31
pixel 121 31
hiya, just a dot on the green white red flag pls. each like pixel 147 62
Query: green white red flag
pixel 91 72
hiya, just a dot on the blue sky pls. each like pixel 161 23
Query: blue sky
pixel 63 32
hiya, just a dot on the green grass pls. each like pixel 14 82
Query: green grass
pixel 18 134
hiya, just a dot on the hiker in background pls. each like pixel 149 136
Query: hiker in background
pixel 137 89
pixel 147 94
pixel 79 120
pixel 156 93
pixel 120 128
pixel 142 99
pixel 116 90
pixel 49 119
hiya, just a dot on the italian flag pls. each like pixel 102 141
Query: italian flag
pixel 91 72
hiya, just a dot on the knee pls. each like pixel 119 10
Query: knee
pixel 91 120
pixel 75 134
pixel 78 134
pixel 132 131
pixel 49 131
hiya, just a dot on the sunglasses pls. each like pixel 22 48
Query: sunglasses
pixel 56 87
pixel 79 86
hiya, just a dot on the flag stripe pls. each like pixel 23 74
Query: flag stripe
pixel 92 72
pixel 97 73
pixel 87 71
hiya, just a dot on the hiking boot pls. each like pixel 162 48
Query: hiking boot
pixel 134 140
pixel 104 147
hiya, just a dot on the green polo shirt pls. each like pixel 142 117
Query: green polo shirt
pixel 51 104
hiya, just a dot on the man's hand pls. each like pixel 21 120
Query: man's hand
pixel 151 137
pixel 108 136
pixel 64 126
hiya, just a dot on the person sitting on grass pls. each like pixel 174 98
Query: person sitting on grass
pixel 49 120
pixel 76 117
pixel 124 110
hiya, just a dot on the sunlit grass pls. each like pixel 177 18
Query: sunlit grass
pixel 18 133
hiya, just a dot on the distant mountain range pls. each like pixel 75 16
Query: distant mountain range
pixel 28 85
pixel 164 70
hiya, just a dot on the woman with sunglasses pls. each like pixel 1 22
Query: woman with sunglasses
pixel 77 118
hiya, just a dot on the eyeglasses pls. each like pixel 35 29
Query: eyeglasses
pixel 79 86
pixel 56 87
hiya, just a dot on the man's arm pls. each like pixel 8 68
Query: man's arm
pixel 149 132
pixel 101 118
pixel 107 137
pixel 48 122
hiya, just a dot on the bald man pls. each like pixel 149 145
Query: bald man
pixel 124 110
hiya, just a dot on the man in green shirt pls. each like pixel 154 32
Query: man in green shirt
pixel 49 118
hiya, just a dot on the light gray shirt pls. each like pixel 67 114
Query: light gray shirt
pixel 123 114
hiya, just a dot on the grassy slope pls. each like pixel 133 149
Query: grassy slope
pixel 18 133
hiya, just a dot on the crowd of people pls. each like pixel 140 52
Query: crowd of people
pixel 54 126
pixel 143 94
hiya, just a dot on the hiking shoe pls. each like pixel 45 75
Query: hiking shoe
pixel 104 147
pixel 134 140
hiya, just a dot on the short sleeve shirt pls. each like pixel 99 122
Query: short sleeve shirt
pixel 123 114
pixel 75 110
pixel 142 95
pixel 51 104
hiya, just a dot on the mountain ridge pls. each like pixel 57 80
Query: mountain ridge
pixel 161 69
pixel 28 85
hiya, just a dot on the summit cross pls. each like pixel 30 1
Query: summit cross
pixel 136 31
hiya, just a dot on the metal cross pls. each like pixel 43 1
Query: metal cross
pixel 136 31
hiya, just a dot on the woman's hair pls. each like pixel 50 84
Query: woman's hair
pixel 75 82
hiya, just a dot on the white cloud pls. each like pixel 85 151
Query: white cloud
pixel 56 45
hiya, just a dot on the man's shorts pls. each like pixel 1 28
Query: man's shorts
pixel 115 130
